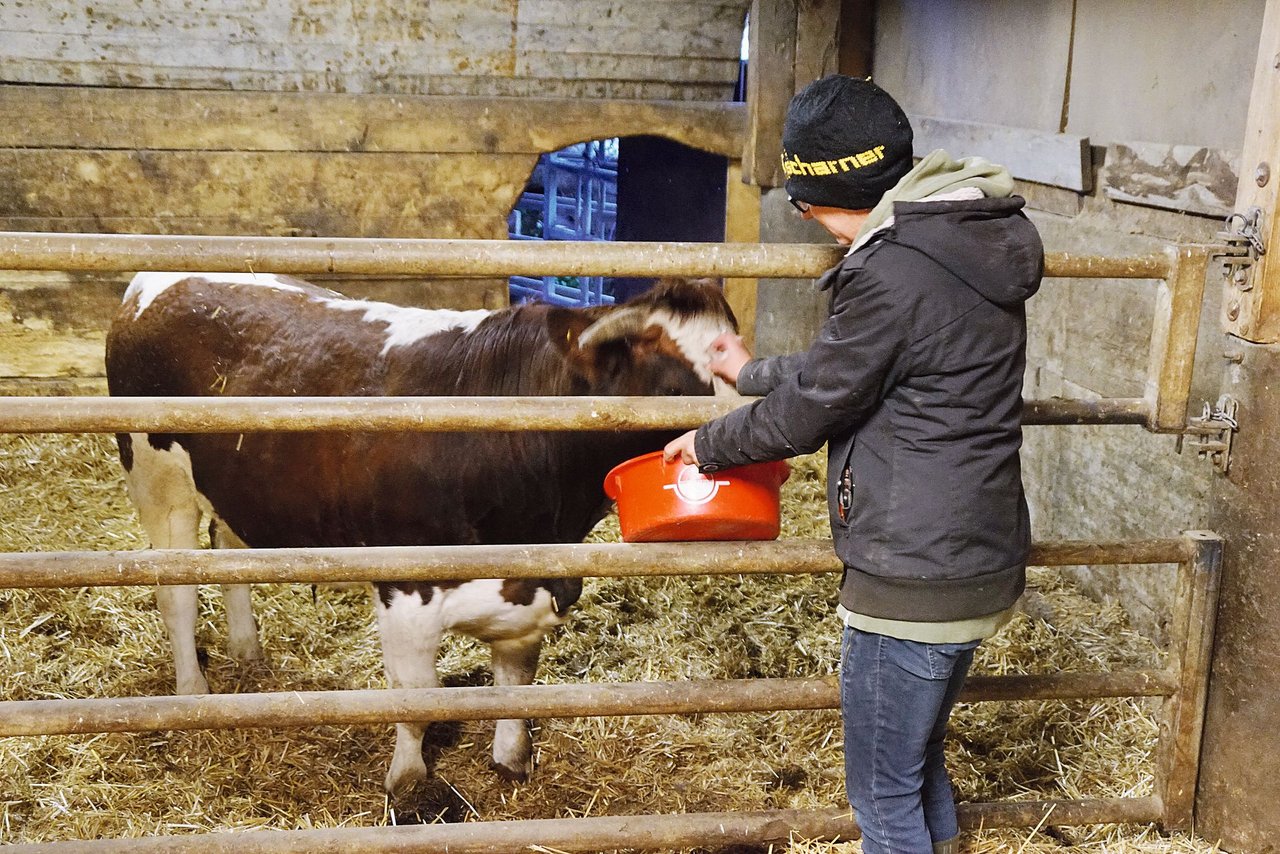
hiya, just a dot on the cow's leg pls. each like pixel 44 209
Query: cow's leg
pixel 242 628
pixel 160 485
pixel 410 631
pixel 514 663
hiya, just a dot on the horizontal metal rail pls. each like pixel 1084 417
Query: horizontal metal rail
pixel 24 250
pixel 287 709
pixel 450 563
pixel 434 414
pixel 602 833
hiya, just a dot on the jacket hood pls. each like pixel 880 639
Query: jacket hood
pixel 1006 272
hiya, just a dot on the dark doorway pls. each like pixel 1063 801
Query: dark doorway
pixel 667 191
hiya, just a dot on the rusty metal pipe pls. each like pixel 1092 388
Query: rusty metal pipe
pixel 288 709
pixel 601 833
pixel 1106 410
pixel 447 563
pixel 385 414
pixel 474 258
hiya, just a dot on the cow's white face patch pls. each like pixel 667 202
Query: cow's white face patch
pixel 408 325
pixel 148 286
pixel 694 337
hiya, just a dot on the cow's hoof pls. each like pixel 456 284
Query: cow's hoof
pixel 401 783
pixel 246 651
pixel 192 684
pixel 509 774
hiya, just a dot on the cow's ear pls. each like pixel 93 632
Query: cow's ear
pixel 564 326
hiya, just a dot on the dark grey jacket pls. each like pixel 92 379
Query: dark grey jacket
pixel 915 381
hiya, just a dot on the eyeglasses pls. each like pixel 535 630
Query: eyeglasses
pixel 803 207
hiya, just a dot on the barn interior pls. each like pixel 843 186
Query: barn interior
pixel 1130 127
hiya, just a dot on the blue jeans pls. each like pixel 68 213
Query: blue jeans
pixel 896 696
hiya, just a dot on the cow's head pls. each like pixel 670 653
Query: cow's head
pixel 655 344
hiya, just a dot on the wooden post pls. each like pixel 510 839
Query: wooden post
pixel 770 85
pixel 818 28
pixel 857 37
pixel 1235 798
pixel 742 225
pixel 1254 314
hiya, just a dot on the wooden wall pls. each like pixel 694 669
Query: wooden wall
pixel 319 119
pixel 656 50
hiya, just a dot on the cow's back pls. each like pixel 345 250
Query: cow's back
pixel 185 335
pixel 247 336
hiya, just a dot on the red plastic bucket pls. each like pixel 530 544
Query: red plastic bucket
pixel 660 501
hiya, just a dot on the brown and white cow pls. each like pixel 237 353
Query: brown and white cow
pixel 181 334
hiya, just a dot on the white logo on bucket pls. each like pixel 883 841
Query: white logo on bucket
pixel 694 487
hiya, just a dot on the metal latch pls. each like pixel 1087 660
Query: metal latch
pixel 1212 432
pixel 1243 246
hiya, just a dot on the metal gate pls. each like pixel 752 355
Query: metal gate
pixel 1179 274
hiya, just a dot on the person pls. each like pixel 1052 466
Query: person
pixel 914 383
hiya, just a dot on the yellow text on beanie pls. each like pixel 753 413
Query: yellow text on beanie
pixel 845 143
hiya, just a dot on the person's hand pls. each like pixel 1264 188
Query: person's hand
pixel 728 356
pixel 681 448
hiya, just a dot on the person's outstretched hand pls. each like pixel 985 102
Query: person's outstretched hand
pixel 728 356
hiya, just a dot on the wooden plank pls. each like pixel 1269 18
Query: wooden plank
pixel 1174 333
pixel 1254 314
pixel 686 29
pixel 1186 178
pixel 312 121
pixel 857 37
pixel 45 353
pixel 409 195
pixel 770 85
pixel 1059 159
pixel 538 63
pixel 817 40
pixel 742 225
pixel 337 45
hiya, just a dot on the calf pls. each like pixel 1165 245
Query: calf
pixel 180 334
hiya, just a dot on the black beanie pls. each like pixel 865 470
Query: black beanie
pixel 845 143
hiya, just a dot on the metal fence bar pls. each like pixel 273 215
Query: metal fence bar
pixel 1179 298
pixel 601 833
pixel 21 250
pixel 287 709
pixel 1191 644
pixel 450 563
pixel 263 414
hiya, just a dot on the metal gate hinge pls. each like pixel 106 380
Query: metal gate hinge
pixel 1242 246
pixel 1212 432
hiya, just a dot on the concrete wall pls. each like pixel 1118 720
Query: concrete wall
pixel 1172 72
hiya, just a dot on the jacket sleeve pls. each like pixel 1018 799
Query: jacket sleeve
pixel 761 376
pixel 830 389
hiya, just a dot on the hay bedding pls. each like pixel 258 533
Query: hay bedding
pixel 65 492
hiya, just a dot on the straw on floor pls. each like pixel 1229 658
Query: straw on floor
pixel 65 492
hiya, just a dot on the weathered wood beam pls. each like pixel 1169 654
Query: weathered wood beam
pixel 82 117
pixel 1251 309
pixel 817 40
pixel 770 84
